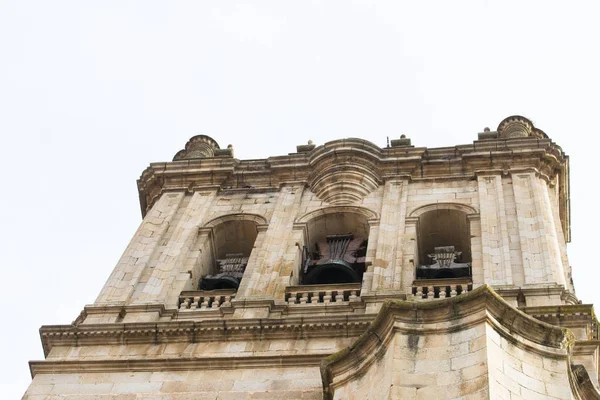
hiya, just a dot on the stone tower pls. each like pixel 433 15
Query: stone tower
pixel 340 271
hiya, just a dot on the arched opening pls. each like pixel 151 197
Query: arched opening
pixel 444 245
pixel 336 250
pixel 233 241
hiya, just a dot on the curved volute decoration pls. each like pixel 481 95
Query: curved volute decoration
pixel 345 171
pixel 517 126
pixel 199 146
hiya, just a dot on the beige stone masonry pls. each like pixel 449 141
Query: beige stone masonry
pixel 474 346
pixel 562 243
pixel 168 278
pixel 267 281
pixel 497 268
pixel 387 263
pixel 210 384
pixel 141 251
pixel 502 200
pixel 542 261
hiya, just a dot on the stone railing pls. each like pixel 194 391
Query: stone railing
pixel 441 288
pixel 205 299
pixel 322 294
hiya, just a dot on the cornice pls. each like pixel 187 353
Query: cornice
pixel 346 170
pixel 456 162
pixel 173 364
pixel 175 331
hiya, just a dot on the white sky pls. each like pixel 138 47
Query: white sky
pixel 91 92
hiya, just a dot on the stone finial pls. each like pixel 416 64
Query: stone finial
pixel 228 152
pixel 305 148
pixel 402 142
pixel 202 146
pixel 199 146
pixel 487 134
pixel 515 127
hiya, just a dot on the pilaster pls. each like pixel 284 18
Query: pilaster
pixel 265 280
pixel 494 232
pixel 169 276
pixel 387 263
pixel 539 244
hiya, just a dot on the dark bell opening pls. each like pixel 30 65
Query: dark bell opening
pixel 224 282
pixel 445 273
pixel 335 271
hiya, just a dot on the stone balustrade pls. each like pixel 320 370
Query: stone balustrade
pixel 322 294
pixel 205 299
pixel 440 288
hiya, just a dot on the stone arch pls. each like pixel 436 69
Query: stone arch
pixel 417 212
pixel 336 245
pixel 367 213
pixel 230 242
pixel 256 218
pixel 444 240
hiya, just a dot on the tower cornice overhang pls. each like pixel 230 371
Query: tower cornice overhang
pixel 342 172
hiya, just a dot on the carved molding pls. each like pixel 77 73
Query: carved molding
pixel 517 126
pixel 367 213
pixel 345 171
pixel 204 331
pixel 256 218
pixel 199 146
pixel 173 364
pixel 443 206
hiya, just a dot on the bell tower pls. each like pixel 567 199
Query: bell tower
pixel 340 271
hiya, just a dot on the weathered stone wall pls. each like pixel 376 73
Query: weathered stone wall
pixel 144 338
pixel 436 366
pixel 516 372
pixel 515 239
pixel 475 347
pixel 256 383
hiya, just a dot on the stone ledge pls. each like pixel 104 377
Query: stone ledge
pixel 173 364
pixel 204 331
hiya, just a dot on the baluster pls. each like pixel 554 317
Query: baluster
pixel 339 296
pixel 453 292
pixel 216 302
pixel 430 292
pixel 419 294
pixel 185 304
pixel 195 303
pixel 304 298
pixel 353 295
pixel 227 302
pixel 327 297
pixel 292 299
pixel 442 292
pixel 204 303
